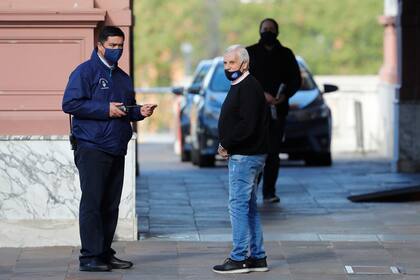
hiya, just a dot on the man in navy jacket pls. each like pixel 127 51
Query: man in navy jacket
pixel 94 96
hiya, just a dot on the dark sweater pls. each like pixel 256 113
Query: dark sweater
pixel 243 122
pixel 273 67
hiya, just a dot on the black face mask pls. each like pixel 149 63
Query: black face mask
pixel 268 38
pixel 233 75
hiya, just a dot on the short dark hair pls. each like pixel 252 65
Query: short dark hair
pixel 273 21
pixel 108 31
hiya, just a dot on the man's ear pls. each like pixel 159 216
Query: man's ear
pixel 245 66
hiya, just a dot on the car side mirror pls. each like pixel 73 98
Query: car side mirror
pixel 330 88
pixel 178 90
pixel 194 89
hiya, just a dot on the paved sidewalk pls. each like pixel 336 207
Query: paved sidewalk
pixel 177 201
pixel 315 233
pixel 171 260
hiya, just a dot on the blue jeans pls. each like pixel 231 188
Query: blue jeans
pixel 246 227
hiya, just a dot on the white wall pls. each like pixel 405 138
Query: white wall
pixel 376 102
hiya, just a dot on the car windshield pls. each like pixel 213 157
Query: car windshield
pixel 199 77
pixel 307 81
pixel 220 83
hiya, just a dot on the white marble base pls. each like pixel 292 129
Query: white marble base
pixel 40 193
pixel 40 233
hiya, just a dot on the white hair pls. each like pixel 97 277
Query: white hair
pixel 241 51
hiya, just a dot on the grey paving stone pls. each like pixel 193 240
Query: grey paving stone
pixel 318 277
pixel 94 276
pixel 38 276
pixel 46 253
pixel 348 237
pixel 270 275
pixel 149 277
pixel 5 275
pixel 317 268
pixel 8 256
pixel 375 277
pixel 347 245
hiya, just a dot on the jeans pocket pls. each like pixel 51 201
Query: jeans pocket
pixel 237 158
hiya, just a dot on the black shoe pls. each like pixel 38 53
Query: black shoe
pixel 94 265
pixel 257 265
pixel 272 199
pixel 231 266
pixel 116 263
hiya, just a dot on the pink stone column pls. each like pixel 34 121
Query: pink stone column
pixel 41 42
pixel 388 72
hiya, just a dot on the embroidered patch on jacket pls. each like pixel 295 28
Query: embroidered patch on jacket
pixel 103 83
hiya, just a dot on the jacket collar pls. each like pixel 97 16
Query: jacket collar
pixel 277 45
pixel 96 59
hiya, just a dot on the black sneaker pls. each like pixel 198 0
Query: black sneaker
pixel 257 265
pixel 272 199
pixel 231 266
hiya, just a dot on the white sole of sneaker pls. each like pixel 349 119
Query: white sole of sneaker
pixel 244 270
pixel 259 269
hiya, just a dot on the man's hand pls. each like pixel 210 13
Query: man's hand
pixel 223 152
pixel 274 101
pixel 147 110
pixel 114 112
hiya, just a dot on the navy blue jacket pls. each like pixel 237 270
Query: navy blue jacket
pixel 91 87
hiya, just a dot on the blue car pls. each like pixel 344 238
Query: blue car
pixel 185 107
pixel 308 125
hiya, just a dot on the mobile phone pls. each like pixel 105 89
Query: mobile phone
pixel 126 108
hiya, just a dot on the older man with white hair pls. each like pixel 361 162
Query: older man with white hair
pixel 243 133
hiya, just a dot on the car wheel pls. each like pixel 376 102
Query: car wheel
pixel 185 155
pixel 318 159
pixel 294 157
pixel 202 160
pixel 194 156
pixel 206 160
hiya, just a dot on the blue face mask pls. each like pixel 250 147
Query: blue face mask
pixel 113 55
pixel 233 75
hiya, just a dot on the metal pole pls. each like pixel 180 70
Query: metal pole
pixel 359 126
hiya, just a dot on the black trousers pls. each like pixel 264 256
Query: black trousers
pixel 272 163
pixel 101 180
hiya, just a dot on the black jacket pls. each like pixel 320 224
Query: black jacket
pixel 273 67
pixel 243 121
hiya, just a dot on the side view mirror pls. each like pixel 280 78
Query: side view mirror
pixel 178 90
pixel 330 88
pixel 194 89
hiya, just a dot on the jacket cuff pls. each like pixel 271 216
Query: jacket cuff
pixel 136 114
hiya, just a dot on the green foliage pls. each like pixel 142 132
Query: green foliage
pixel 334 37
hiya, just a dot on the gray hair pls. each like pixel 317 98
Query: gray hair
pixel 241 51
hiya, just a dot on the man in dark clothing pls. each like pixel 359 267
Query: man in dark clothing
pixel 94 95
pixel 243 134
pixel 272 65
